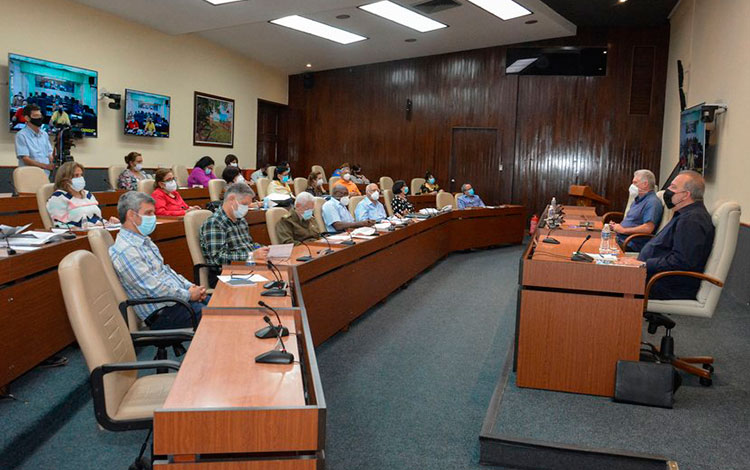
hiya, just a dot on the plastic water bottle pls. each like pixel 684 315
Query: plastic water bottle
pixel 604 245
pixel 250 259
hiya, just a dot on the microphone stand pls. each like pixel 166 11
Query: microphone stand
pixel 549 239
pixel 349 242
pixel 271 331
pixel 10 250
pixel 274 356
pixel 580 256
pixel 69 235
pixel 327 250
pixel 307 257
pixel 276 288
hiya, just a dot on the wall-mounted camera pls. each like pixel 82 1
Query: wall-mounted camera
pixel 709 111
pixel 115 97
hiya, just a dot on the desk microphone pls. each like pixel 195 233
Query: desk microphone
pixel 275 288
pixel 549 239
pixel 11 251
pixel 579 256
pixel 271 331
pixel 69 235
pixel 351 239
pixel 309 255
pixel 274 356
pixel 107 185
pixel 329 249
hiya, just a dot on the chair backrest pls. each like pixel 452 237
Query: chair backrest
pixel 28 179
pixel 43 194
pixel 300 185
pixel 99 328
pixel 388 197
pixel 273 216
pixel 416 184
pixel 271 172
pixel 100 240
pixel 455 200
pixel 631 198
pixel 320 170
pixel 353 201
pixel 146 186
pixel 666 214
pixel 193 221
pixel 219 170
pixel 386 182
pixel 216 189
pixel 180 174
pixel 331 181
pixel 113 172
pixel 318 214
pixel 444 199
pixel 726 220
pixel 262 187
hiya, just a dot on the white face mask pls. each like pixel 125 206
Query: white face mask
pixel 171 186
pixel 138 167
pixel 239 179
pixel 375 195
pixel 234 164
pixel 633 190
pixel 78 183
pixel 344 201
pixel 241 211
pixel 320 182
pixel 347 176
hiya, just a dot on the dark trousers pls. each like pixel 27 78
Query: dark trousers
pixel 177 316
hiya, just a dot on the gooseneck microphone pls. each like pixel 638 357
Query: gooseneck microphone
pixel 351 239
pixel 329 249
pixel 10 250
pixel 275 356
pixel 69 235
pixel 309 255
pixel 549 239
pixel 278 278
pixel 275 288
pixel 580 256
pixel 271 331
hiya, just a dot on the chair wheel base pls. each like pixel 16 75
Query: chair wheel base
pixel 706 382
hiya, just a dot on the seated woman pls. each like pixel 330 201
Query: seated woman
pixel 232 174
pixel 202 173
pixel 315 184
pixel 430 185
pixel 260 173
pixel 280 182
pixel 167 200
pixel 338 171
pixel 400 205
pixel 71 206
pixel 130 176
pixel 232 160
pixel 357 175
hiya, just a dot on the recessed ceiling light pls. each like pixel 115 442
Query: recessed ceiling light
pixel 519 65
pixel 604 52
pixel 315 28
pixel 308 65
pixel 403 16
pixel 621 1
pixel 343 17
pixel 503 9
pixel 222 2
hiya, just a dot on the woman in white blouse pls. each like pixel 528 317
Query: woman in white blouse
pixel 71 206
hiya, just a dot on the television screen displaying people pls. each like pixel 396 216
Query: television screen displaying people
pixel 67 95
pixel 692 140
pixel 146 114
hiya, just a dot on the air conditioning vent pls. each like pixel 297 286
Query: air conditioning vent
pixel 434 6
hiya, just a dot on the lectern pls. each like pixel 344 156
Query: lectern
pixel 585 196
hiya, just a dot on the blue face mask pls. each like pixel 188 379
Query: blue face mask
pixel 406 190
pixel 285 179
pixel 147 225
pixel 307 215
pixel 431 180
pixel 208 171
pixel 470 192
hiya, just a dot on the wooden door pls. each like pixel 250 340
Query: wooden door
pixel 475 159
pixel 272 130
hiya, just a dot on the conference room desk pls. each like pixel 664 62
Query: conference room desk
pixel 423 201
pixel 577 215
pixel 575 320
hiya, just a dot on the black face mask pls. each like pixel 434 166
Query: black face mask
pixel 37 121
pixel 668 193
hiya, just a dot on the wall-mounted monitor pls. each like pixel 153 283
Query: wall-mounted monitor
pixel 67 95
pixel 692 140
pixel 146 114
pixel 562 60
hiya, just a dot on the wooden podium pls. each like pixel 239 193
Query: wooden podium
pixel 585 196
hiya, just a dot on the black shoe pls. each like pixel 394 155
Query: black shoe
pixel 54 361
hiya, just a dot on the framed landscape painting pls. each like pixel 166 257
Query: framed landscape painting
pixel 213 120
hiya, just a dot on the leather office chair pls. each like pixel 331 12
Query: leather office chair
pixel 443 199
pixel 353 201
pixel 726 220
pixel 300 185
pixel 113 172
pixel 43 193
pixel 666 216
pixel 331 182
pixel 193 221
pixel 386 182
pixel 320 170
pixel 271 172
pixel 122 400
pixel 455 200
pixel 273 216
pixel 262 187
pixel 146 186
pixel 318 214
pixel 216 189
pixel 28 179
pixel 388 198
pixel 416 185
pixel 180 174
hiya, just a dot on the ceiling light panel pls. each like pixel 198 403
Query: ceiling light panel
pixel 222 2
pixel 315 28
pixel 503 9
pixel 403 16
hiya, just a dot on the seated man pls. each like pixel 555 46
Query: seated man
pixel 299 225
pixel 685 243
pixel 370 207
pixel 225 236
pixel 346 181
pixel 645 213
pixel 142 272
pixel 468 199
pixel 336 212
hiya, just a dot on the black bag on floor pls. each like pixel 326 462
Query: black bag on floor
pixel 646 383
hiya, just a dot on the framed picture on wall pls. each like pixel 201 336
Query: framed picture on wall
pixel 213 120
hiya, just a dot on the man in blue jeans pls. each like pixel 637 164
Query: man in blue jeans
pixel 142 272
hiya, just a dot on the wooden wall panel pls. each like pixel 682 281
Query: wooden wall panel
pixel 552 131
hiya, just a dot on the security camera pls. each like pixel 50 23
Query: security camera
pixel 709 111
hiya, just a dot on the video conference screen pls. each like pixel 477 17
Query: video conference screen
pixel 67 96
pixel 692 140
pixel 146 114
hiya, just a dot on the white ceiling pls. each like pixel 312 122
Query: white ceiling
pixel 244 27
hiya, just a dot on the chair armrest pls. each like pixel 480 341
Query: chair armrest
pixel 197 271
pixel 664 274
pixel 161 338
pixel 612 217
pixel 158 300
pixel 634 236
pixel 98 395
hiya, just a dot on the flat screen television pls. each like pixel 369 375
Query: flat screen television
pixel 146 114
pixel 53 87
pixel 693 140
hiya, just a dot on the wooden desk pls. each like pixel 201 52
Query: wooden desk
pixel 226 295
pixel 575 320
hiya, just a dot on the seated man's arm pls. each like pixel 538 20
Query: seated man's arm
pixel 341 226
pixel 461 203
pixel 647 228
pixel 688 245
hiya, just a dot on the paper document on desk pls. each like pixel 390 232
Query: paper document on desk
pixel 9 231
pixel 34 238
pixel 342 237
pixel 244 279
pixel 280 251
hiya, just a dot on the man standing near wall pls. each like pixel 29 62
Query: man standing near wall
pixel 32 143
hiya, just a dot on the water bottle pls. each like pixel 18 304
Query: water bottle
pixel 250 259
pixel 604 245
